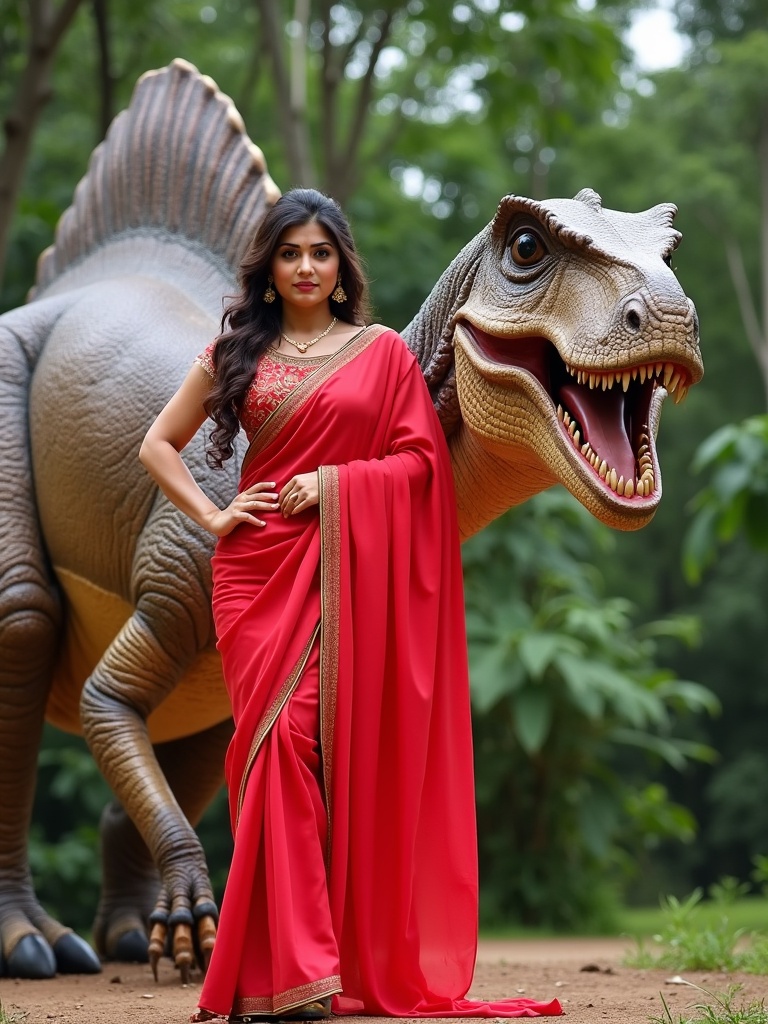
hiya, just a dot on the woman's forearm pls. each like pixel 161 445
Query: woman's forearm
pixel 166 467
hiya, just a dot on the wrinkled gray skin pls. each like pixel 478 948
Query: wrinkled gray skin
pixel 105 588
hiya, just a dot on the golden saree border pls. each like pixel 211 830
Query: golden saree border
pixel 330 607
pixel 271 714
pixel 290 999
pixel 304 390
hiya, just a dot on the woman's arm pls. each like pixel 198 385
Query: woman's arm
pixel 160 455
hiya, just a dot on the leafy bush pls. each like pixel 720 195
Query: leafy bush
pixel 736 497
pixel 572 716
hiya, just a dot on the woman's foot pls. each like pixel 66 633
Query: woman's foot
pixel 316 1009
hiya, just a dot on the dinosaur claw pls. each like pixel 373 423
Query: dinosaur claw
pixel 183 951
pixel 131 947
pixel 206 937
pixel 32 957
pixel 157 945
pixel 75 956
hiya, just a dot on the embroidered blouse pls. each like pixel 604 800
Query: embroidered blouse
pixel 275 378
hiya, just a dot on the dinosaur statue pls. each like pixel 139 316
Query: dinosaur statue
pixel 549 345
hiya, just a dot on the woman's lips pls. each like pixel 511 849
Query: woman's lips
pixel 305 286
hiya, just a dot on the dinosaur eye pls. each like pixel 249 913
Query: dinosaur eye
pixel 527 249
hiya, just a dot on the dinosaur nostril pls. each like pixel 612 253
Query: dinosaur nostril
pixel 633 319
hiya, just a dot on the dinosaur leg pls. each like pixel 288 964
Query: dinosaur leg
pixel 32 944
pixel 194 769
pixel 171 624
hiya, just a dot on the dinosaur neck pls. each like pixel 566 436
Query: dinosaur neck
pixel 430 333
pixel 487 485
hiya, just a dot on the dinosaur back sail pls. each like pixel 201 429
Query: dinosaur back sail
pixel 177 166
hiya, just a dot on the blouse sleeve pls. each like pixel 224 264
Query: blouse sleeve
pixel 205 359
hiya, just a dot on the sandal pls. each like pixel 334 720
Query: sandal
pixel 317 1009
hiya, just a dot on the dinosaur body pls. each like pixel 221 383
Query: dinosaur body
pixel 558 313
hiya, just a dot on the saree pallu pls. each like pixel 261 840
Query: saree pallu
pixel 359 605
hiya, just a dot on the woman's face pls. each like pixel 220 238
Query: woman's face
pixel 305 265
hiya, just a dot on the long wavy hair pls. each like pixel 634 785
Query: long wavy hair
pixel 250 324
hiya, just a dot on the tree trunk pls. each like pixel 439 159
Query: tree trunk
pixel 342 172
pixel 762 158
pixel 105 77
pixel 47 27
pixel 293 119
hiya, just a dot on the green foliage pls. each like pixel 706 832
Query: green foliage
pixel 687 135
pixel 736 497
pixel 6 1017
pixel 722 1009
pixel 63 839
pixel 689 940
pixel 570 709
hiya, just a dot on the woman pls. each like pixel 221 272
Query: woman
pixel 339 614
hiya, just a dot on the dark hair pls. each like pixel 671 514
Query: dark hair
pixel 250 324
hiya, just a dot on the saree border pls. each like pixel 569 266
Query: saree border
pixel 270 716
pixel 330 608
pixel 291 998
pixel 277 419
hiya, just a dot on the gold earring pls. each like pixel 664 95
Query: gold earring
pixel 269 293
pixel 338 294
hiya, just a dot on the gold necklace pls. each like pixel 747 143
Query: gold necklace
pixel 302 346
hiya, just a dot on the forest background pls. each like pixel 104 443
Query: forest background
pixel 619 680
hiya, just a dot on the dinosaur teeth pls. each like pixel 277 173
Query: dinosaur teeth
pixel 641 486
pixel 667 374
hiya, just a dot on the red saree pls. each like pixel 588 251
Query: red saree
pixel 354 870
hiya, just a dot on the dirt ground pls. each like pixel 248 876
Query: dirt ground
pixel 586 975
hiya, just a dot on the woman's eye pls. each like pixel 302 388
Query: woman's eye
pixel 527 249
pixel 322 254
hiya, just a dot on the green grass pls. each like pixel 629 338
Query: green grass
pixel 6 1017
pixel 698 936
pixel 721 1009
pixel 750 914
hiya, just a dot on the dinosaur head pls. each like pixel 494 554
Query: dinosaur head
pixel 572 334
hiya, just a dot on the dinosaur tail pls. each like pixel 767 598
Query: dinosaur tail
pixel 176 167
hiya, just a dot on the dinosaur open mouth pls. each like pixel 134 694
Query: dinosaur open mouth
pixel 604 414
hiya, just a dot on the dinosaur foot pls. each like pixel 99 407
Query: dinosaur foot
pixel 33 958
pixel 189 934
pixel 33 944
pixel 120 935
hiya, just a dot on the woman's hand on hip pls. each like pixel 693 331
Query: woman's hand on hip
pixel 300 493
pixel 259 497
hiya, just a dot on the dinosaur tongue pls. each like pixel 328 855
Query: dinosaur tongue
pixel 602 417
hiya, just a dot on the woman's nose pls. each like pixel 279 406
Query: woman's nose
pixel 305 267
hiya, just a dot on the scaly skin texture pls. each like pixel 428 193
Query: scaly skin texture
pixel 129 294
pixel 594 321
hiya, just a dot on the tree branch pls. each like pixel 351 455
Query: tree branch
pixel 61 22
pixel 747 309
pixel 762 158
pixel 343 168
pixel 47 27
pixel 329 85
pixel 105 76
pixel 293 123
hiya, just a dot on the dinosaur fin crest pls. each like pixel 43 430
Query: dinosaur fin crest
pixel 177 162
